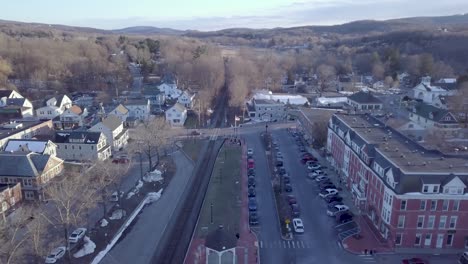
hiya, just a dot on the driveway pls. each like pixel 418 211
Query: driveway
pixel 141 240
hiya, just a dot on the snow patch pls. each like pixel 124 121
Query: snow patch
pixel 135 190
pixel 153 196
pixel 104 222
pixel 117 214
pixel 153 176
pixel 88 248
pixel 130 195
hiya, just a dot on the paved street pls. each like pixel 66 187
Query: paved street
pixel 139 244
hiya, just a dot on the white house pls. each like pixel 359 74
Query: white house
pixel 292 99
pixel 186 99
pixel 54 107
pixel 170 90
pixel 116 135
pixel 82 146
pixel 430 117
pixel 121 112
pixel 138 108
pixel 44 147
pixel 176 115
pixel 71 118
pixel 8 94
pixel 14 105
pixel 429 93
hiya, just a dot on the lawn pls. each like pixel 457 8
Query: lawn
pixel 222 205
pixel 192 147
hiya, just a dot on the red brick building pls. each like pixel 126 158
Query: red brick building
pixel 416 198
pixel 10 195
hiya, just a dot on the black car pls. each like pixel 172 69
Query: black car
pixel 288 188
pixel 279 163
pixel 344 218
pixel 253 218
pixel 251 172
pixel 252 204
pixel 295 210
pixel 251 182
pixel 333 198
pixel 252 192
pixel 282 171
pixel 286 179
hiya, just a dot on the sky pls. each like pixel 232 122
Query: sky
pixel 218 14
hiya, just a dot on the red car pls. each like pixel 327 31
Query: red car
pixel 305 159
pixel 414 261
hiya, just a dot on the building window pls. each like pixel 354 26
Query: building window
pixel 442 221
pixel 425 188
pixel 449 239
pixel 456 205
pixel 417 240
pixel 420 223
pixel 445 205
pixel 401 221
pixel 453 222
pixel 398 239
pixel 435 189
pixel 431 221
pixel 428 240
pixel 433 205
pixel 403 205
pixel 422 206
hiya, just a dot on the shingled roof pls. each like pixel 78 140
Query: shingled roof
pixel 433 113
pixel 24 164
pixel 364 98
pixel 84 137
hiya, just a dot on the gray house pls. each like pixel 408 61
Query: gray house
pixel 266 110
pixel 82 145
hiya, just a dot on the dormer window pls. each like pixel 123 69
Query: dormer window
pixel 425 188
pixel 430 188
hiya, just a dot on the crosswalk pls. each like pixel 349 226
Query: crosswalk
pixel 367 258
pixel 298 244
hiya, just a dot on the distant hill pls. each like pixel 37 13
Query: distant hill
pixel 148 30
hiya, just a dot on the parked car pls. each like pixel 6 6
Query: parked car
pixel 311 162
pixel 313 167
pixel 120 160
pixel 319 172
pixel 76 235
pixel 250 152
pixel 288 187
pixel 414 261
pixel 327 186
pixel 291 199
pixel 279 163
pixel 251 166
pixel 337 209
pixel 332 204
pixel 195 133
pixel 55 255
pixel 333 198
pixel 286 179
pixel 328 192
pixel 302 149
pixel 253 218
pixel 321 178
pixel 344 218
pixel 251 192
pixel 115 196
pixel 282 171
pixel 251 172
pixel 295 210
pixel 298 226
pixel 279 155
pixel 252 204
pixel 251 182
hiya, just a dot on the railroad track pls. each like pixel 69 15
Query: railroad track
pixel 177 237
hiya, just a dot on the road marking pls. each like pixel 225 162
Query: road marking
pixel 284 244
pixel 302 242
pixel 293 244
pixel 289 244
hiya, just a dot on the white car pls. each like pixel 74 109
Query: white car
pixel 55 255
pixel 337 209
pixel 77 235
pixel 314 167
pixel 321 178
pixel 298 225
pixel 328 192
pixel 250 152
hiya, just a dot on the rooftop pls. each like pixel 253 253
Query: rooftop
pixel 10 128
pixel 265 101
pixel 364 98
pixel 405 154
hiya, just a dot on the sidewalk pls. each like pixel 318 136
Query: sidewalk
pixel 368 239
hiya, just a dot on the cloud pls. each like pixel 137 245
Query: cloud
pixel 299 13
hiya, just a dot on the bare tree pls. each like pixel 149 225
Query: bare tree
pixel 148 139
pixel 458 104
pixel 319 132
pixel 325 73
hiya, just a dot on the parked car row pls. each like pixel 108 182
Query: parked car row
pixel 251 191
pixel 58 253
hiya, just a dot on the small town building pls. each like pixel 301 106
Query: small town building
pixel 71 118
pixel 266 110
pixel 24 129
pixel 138 108
pixel 44 147
pixel 364 101
pixel 176 115
pixel 32 170
pixel 186 99
pixel 429 93
pixel 54 107
pixel 82 146
pixel 434 119
pixel 10 196
pixel 113 128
